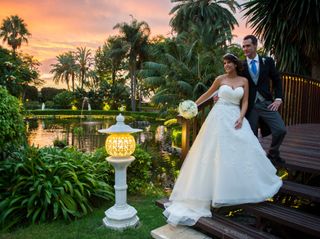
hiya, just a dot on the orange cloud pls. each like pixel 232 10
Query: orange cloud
pixel 57 26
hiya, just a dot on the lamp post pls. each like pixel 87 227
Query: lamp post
pixel 120 144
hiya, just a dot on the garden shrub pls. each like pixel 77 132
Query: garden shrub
pixel 50 183
pixel 63 100
pixel 32 105
pixel 127 114
pixel 12 130
pixel 48 93
pixel 49 105
pixel 31 93
pixel 60 143
pixel 138 172
pixel 171 122
pixel 176 137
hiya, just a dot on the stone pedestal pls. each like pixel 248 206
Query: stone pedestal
pixel 121 215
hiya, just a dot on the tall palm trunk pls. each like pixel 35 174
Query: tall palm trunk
pixel 133 89
pixel 114 72
pixel 67 81
pixel 72 79
pixel 82 80
pixel 14 52
pixel 140 97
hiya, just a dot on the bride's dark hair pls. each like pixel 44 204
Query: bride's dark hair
pixel 235 60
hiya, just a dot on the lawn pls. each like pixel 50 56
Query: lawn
pixel 91 227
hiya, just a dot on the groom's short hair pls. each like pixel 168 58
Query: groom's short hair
pixel 254 40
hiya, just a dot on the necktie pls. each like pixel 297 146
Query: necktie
pixel 253 67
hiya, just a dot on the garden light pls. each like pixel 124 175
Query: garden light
pixel 120 144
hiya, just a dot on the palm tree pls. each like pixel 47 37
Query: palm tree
pixel 205 13
pixel 109 58
pixel 93 84
pixel 14 31
pixel 290 31
pixel 84 61
pixel 116 50
pixel 135 35
pixel 180 72
pixel 65 69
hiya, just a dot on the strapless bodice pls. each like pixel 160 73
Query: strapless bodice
pixel 229 95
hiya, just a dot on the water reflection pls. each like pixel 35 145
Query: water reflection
pixel 84 134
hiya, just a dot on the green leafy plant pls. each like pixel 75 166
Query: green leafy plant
pixel 50 183
pixel 60 143
pixel 48 93
pixel 12 131
pixel 32 105
pixel 139 172
pixel 176 137
pixel 64 100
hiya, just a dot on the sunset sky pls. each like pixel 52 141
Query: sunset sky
pixel 58 26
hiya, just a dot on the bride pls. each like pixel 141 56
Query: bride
pixel 226 164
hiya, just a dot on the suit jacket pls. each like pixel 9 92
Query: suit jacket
pixel 267 74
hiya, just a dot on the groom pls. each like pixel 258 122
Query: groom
pixel 260 71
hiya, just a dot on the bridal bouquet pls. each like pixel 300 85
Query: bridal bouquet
pixel 188 109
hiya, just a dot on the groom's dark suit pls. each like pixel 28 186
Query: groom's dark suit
pixel 267 74
pixel 258 111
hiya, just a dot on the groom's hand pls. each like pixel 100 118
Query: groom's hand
pixel 274 106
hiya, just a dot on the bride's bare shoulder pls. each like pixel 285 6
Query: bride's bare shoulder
pixel 220 77
pixel 243 79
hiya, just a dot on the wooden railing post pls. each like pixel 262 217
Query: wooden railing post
pixel 185 136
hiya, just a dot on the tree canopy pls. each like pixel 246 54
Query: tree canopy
pixel 14 32
pixel 289 29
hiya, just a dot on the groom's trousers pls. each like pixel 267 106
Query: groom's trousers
pixel 273 120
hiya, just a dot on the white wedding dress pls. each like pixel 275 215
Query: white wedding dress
pixel 225 166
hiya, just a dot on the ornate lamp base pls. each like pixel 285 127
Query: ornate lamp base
pixel 121 215
pixel 120 218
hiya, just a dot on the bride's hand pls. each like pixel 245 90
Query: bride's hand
pixel 238 123
pixel 215 97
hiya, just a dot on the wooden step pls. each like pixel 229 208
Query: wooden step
pixel 289 217
pixel 297 189
pixel 222 227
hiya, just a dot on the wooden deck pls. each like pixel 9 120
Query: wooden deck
pixel 300 148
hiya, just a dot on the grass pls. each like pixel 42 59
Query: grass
pixel 91 227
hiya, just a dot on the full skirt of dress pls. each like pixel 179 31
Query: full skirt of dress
pixel 225 166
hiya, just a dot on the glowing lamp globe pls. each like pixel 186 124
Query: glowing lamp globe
pixel 120 143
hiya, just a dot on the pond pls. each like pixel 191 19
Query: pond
pixel 83 133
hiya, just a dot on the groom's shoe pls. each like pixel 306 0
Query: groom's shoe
pixel 276 159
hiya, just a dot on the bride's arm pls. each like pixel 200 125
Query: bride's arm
pixel 215 85
pixel 244 102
